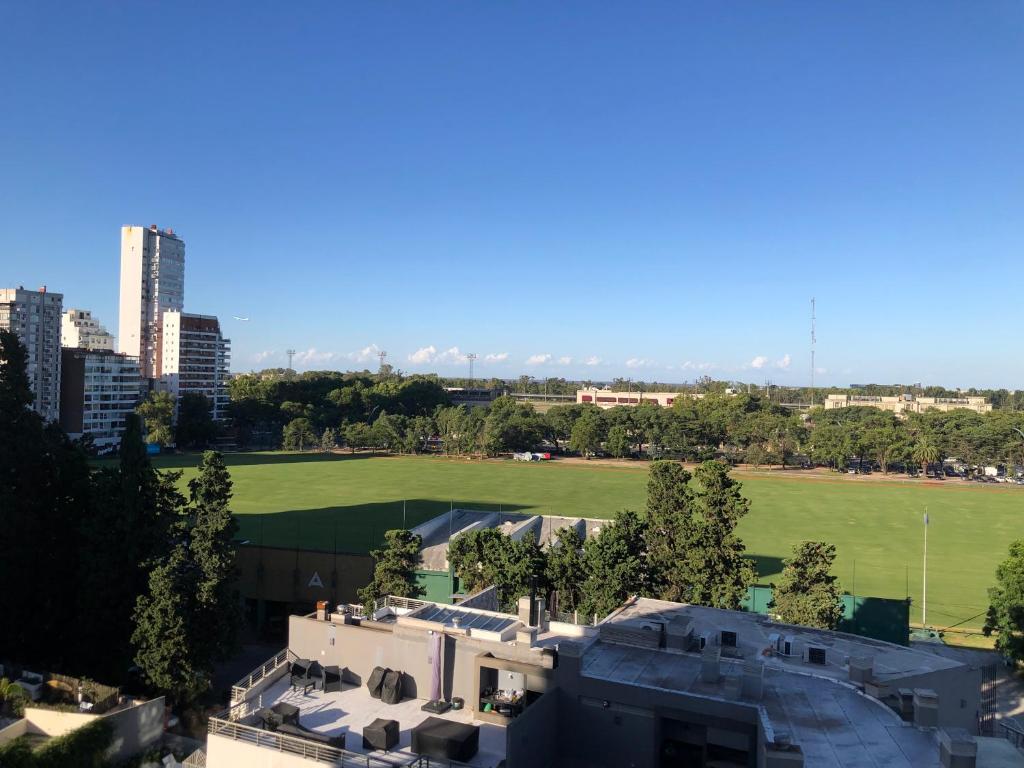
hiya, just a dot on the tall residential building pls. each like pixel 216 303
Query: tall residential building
pixel 79 329
pixel 35 317
pixel 194 357
pixel 98 389
pixel 152 282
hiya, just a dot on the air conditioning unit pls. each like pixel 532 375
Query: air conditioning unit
pixel 706 639
pixel 814 654
pixel 727 638
pixel 786 646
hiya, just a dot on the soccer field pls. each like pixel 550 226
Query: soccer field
pixel 347 502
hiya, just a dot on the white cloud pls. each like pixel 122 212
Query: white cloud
pixel 784 362
pixel 639 362
pixel 690 365
pixel 429 354
pixel 313 356
pixel 538 359
pixel 565 360
pixel 423 355
pixel 759 362
pixel 496 357
pixel 592 360
pixel 825 370
pixel 259 357
pixel 364 355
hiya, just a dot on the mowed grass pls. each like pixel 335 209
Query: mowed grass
pixel 347 502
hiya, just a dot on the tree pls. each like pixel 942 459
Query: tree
pixel 566 570
pixel 618 442
pixel 164 628
pixel 808 593
pixel 615 564
pixel 298 434
pixel 586 435
pixel 669 529
pixel 188 618
pixel 213 550
pixel 488 557
pixel 196 427
pixel 1006 604
pixel 718 571
pixel 128 531
pixel 394 570
pixel 511 426
pixel 157 411
pixel 45 498
pixel 925 452
pixel 357 436
pixel 328 440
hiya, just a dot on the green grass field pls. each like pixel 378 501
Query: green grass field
pixel 348 502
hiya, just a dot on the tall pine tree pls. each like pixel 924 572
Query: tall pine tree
pixel 808 593
pixel 669 528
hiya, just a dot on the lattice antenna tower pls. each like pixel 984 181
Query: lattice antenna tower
pixel 291 356
pixel 471 357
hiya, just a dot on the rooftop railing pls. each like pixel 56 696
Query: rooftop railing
pixel 1012 732
pixel 239 689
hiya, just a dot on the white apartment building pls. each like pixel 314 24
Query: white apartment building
pixel 195 357
pixel 79 329
pixel 904 404
pixel 98 390
pixel 35 317
pixel 152 282
pixel 606 398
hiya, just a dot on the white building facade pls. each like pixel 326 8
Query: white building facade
pixel 152 282
pixel 36 317
pixel 195 358
pixel 99 389
pixel 78 328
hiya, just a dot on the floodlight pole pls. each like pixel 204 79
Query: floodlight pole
pixel 924 577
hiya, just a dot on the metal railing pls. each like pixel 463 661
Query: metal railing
pixel 1012 732
pixel 229 727
pixel 405 603
pixel 239 689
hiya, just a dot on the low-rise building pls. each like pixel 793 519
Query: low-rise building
pixel 78 328
pixel 606 398
pixel 654 684
pixel 35 317
pixel 98 390
pixel 194 358
pixel 904 404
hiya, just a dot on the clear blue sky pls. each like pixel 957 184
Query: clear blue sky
pixel 657 189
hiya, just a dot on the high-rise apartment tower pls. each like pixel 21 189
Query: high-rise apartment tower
pixel 152 282
pixel 35 317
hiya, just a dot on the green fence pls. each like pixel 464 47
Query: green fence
pixel 876 617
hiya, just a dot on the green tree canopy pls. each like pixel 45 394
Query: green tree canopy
pixel 807 593
pixel 1006 604
pixel 157 410
pixel 394 571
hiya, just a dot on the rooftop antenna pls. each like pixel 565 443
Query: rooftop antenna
pixel 813 342
pixel 382 355
pixel 471 357
pixel 291 354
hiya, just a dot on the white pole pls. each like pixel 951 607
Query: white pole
pixel 924 578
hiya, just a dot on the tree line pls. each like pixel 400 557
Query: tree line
pixel 683 548
pixel 143 574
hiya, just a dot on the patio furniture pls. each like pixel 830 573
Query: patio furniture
pixel 446 739
pixel 376 680
pixel 316 675
pixel 380 734
pixel 333 678
pixel 288 713
pixel 391 690
pixel 300 677
pixel 338 742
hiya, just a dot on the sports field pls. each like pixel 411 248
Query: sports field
pixel 347 502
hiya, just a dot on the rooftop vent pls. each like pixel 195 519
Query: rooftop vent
pixel 815 655
pixel 728 638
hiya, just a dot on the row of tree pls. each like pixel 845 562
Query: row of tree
pixel 683 549
pixel 145 575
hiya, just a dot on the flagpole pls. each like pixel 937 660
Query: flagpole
pixel 924 577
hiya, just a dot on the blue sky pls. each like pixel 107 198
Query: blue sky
pixel 587 189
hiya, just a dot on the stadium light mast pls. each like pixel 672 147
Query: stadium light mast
pixel 813 342
pixel 291 355
pixel 471 357
pixel 383 356
pixel 924 575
